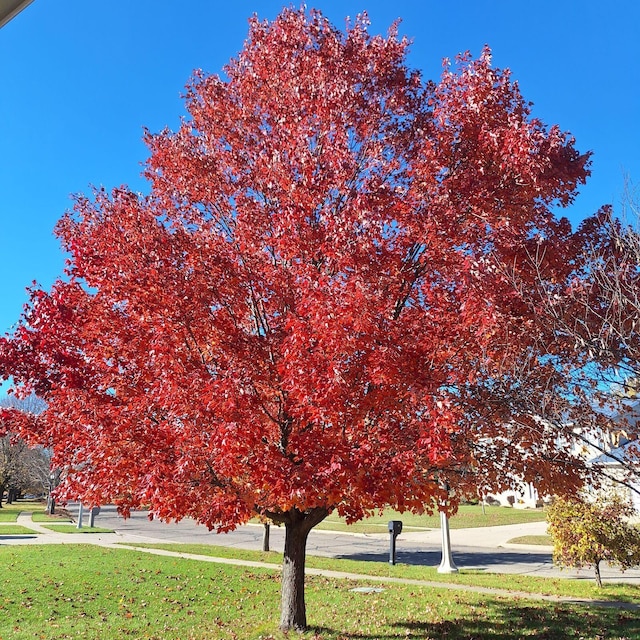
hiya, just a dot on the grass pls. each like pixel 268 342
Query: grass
pixel 534 540
pixel 14 529
pixel 513 582
pixel 41 516
pixel 468 516
pixel 9 512
pixel 85 592
pixel 72 528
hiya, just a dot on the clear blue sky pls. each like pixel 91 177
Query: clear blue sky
pixel 79 79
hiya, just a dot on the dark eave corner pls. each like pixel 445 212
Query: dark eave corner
pixel 9 9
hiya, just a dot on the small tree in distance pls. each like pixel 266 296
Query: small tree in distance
pixel 309 310
pixel 586 533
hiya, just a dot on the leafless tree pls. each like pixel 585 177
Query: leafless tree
pixel 609 322
pixel 12 452
pixel 585 299
pixel 593 318
pixel 22 468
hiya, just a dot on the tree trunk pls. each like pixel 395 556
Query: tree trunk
pixel 265 536
pixel 598 576
pixel 293 615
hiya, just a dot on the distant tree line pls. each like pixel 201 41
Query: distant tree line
pixel 23 469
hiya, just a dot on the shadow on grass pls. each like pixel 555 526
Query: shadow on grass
pixel 506 621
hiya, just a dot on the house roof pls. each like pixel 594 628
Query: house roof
pixel 627 453
pixel 10 9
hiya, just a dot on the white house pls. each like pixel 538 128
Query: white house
pixel 616 465
pixel 615 451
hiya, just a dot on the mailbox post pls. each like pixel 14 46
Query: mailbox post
pixel 92 516
pixel 395 529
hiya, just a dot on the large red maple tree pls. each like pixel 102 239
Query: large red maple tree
pixel 308 312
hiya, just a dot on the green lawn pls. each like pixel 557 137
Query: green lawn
pixel 72 528
pixel 9 512
pixel 41 516
pixel 513 582
pixel 535 540
pixel 80 591
pixel 14 529
pixel 468 516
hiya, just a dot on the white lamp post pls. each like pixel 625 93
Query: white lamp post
pixel 446 565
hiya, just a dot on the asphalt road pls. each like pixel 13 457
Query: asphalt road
pixel 483 549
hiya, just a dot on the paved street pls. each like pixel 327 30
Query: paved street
pixel 484 549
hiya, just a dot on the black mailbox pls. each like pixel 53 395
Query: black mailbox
pixel 395 527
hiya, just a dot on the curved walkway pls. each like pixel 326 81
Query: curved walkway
pixel 25 520
pixel 343 575
pixel 42 535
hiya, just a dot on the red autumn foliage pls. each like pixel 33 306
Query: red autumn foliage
pixel 309 312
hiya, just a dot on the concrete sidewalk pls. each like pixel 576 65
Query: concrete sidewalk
pixel 42 535
pixel 494 536
pixel 481 549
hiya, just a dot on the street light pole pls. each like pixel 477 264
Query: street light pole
pixel 446 565
pixel 80 516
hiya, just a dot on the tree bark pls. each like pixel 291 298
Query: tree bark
pixel 293 615
pixel 598 576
